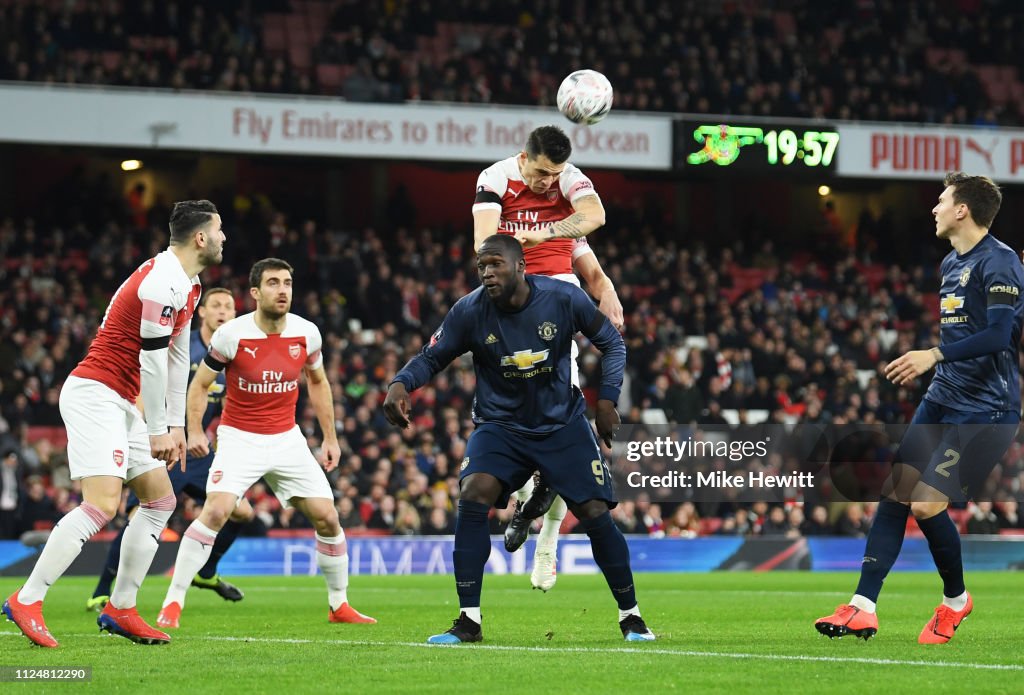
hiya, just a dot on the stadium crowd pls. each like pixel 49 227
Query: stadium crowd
pixel 714 334
pixel 913 60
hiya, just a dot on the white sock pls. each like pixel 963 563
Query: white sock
pixel 865 604
pixel 194 551
pixel 141 539
pixel 957 603
pixel 523 493
pixel 473 614
pixel 63 546
pixel 332 559
pixel 548 536
pixel 635 610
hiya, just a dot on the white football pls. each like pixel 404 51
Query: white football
pixel 585 96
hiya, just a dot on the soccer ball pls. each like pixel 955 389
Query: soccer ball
pixel 585 96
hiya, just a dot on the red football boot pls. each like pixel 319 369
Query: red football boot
pixel 29 619
pixel 128 623
pixel 848 620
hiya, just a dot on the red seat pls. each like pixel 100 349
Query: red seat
pixel 57 436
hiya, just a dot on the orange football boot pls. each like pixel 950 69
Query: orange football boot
pixel 29 619
pixel 348 614
pixel 848 620
pixel 944 623
pixel 170 615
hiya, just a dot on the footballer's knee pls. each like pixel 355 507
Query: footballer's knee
pixel 480 487
pixel 926 510
pixel 591 509
pixel 217 510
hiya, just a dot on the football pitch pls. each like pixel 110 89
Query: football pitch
pixel 717 632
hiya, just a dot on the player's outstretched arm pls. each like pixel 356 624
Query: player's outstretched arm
pixel 601 288
pixel 195 408
pixel 485 224
pixel 322 400
pixel 447 343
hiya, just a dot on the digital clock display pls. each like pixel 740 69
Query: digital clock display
pixel 769 147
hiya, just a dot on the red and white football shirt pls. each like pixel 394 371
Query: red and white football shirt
pixel 156 301
pixel 524 210
pixel 263 371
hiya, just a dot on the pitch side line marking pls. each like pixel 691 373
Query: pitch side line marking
pixel 599 650
pixel 626 650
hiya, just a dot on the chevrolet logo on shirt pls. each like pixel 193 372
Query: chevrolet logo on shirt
pixel 950 303
pixel 524 359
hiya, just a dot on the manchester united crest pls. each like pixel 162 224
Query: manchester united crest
pixel 965 277
pixel 547 330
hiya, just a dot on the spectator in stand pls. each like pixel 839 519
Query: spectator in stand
pixel 983 519
pixel 776 524
pixel 39 510
pixel 1009 517
pixel 11 494
pixel 348 515
pixel 817 524
pixel 852 523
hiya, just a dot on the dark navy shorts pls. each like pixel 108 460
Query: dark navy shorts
pixel 955 451
pixel 569 459
pixel 192 482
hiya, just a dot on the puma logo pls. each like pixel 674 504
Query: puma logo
pixel 974 146
pixel 251 351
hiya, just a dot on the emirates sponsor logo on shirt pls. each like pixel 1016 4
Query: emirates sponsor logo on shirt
pixel 271 383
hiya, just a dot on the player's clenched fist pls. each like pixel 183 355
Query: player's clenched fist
pixel 396 405
pixel 163 447
pixel 198 444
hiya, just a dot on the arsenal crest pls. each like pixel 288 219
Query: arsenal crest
pixel 118 458
pixel 294 351
pixel 215 476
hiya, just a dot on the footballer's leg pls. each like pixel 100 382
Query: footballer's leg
pixel 101 594
pixel 611 553
pixel 102 495
pixel 141 539
pixel 518 529
pixel 479 492
pixel 207 577
pixel 545 571
pixel 885 539
pixel 194 552
pixel 331 558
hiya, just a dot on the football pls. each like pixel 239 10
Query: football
pixel 585 96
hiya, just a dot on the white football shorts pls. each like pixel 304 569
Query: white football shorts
pixel 283 460
pixel 106 433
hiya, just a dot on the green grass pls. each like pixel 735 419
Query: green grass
pixel 735 632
